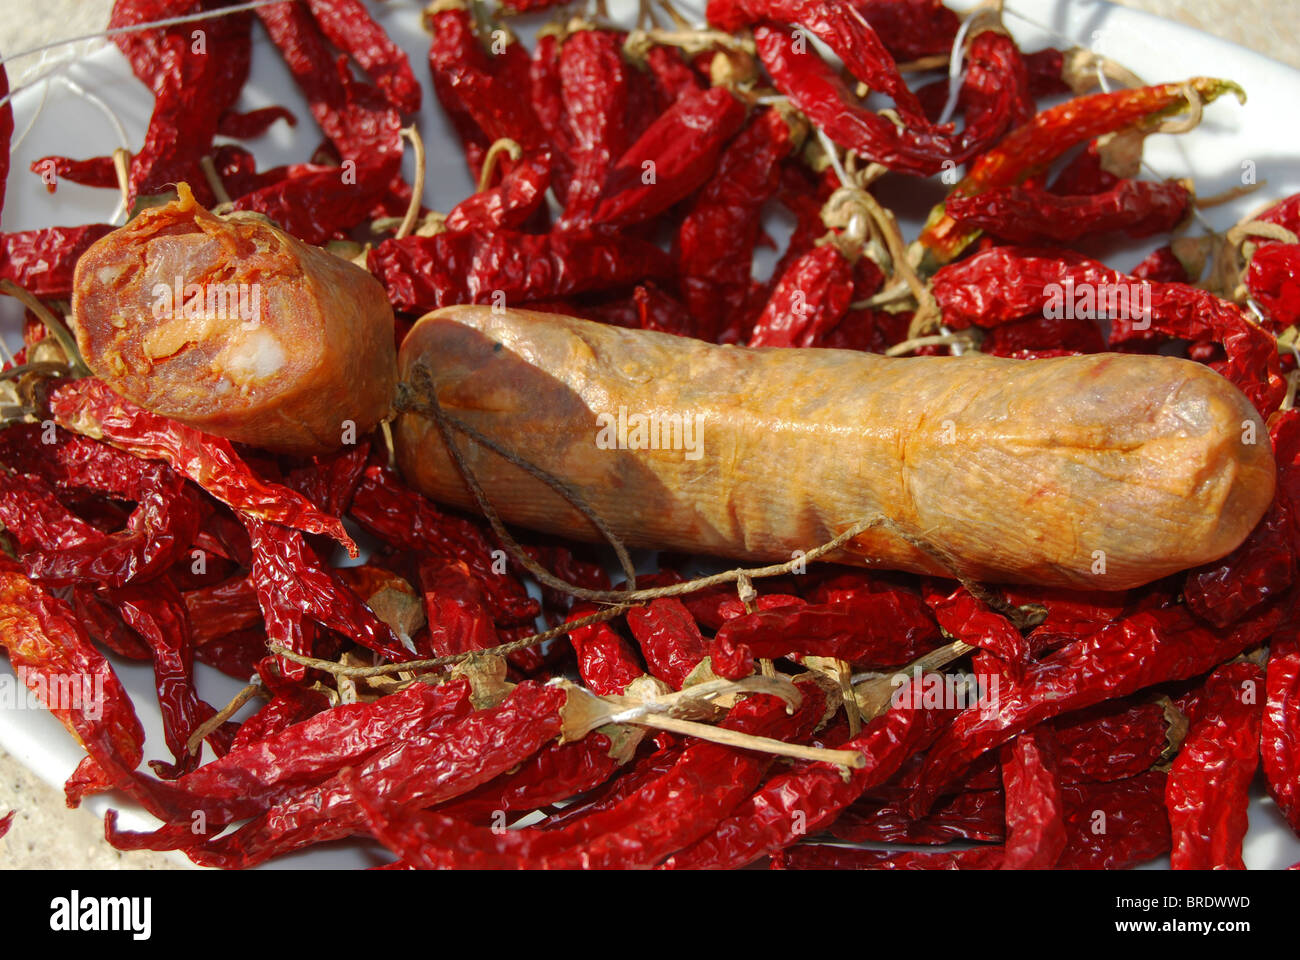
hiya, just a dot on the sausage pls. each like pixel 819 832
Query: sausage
pixel 1101 471
pixel 236 328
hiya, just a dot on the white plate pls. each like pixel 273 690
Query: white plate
pixel 1261 135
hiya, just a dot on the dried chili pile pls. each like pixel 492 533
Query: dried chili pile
pixel 626 176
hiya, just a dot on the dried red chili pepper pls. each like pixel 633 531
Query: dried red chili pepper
pixel 1022 215
pixel 104 626
pixel 1117 659
pixel 1162 265
pixel 670 640
pixel 1207 791
pixel 635 776
pixel 674 156
pixel 458 619
pixel 911 29
pixel 90 408
pixel 1036 834
pixel 292 583
pixel 973 621
pixel 318 203
pixel 348 25
pixel 1110 741
pixel 42 261
pixel 811 795
pixel 716 239
pixel 331 480
pixel 837 24
pixel 596 88
pixel 95 172
pixel 418 772
pixel 157 613
pixel 969 815
pixel 606 661
pixel 705 783
pixel 192 87
pixel 476 266
pixel 253 123
pixel 61 548
pixel 1115 825
pixel 404 519
pixel 511 203
pixel 872 631
pixel 811 297
pixel 555 773
pixel 222 608
pixel 1045 73
pixel 1273 279
pixel 1005 283
pixel 1280 727
pixel 289 705
pixel 1031 148
pixel 47 646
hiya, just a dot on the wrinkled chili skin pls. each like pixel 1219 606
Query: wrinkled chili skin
pixel 1029 149
pixel 1280 727
pixel 348 25
pixel 1273 279
pixel 811 297
pixel 511 203
pixel 42 261
pixel 1207 792
pixel 425 273
pixel 1036 832
pixel 1021 215
pixel 670 640
pixel 607 663
pixel 811 795
pixel 969 815
pixel 95 172
pixel 716 239
pixel 1119 658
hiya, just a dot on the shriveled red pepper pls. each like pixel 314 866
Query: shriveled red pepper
pixel 95 172
pixel 458 618
pixel 1023 215
pixel 348 25
pixel 192 87
pixel 970 815
pixel 253 123
pixel 90 408
pixel 411 774
pixel 670 640
pixel 671 159
pixel 511 203
pixel 403 518
pixel 1006 283
pixel 1031 149
pixel 911 29
pixel 705 783
pixel 971 620
pixel 837 24
pixel 157 613
pixel 1036 833
pixel 811 795
pixel 1110 741
pixel 811 297
pixel 1115 825
pixel 606 661
pixel 1280 727
pixel 1207 792
pixel 1273 279
pixel 1152 646
pixel 42 261
pixel 716 239
pixel 478 266
pixel 873 631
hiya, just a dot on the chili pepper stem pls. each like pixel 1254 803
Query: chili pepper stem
pixel 493 155
pixel 122 167
pixel 211 175
pixel 417 188
pixel 207 727
pixel 52 323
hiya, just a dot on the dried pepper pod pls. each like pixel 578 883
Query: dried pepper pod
pixel 238 329
pixel 607 663
pixel 978 815
pixel 348 25
pixel 1280 728
pixel 1023 215
pixel 511 203
pixel 715 242
pixel 88 407
pixel 670 640
pixel 502 267
pixel 42 262
pixel 1036 832
pixel 1273 279
pixel 1152 646
pixel 95 172
pixel 1031 149
pixel 1207 791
